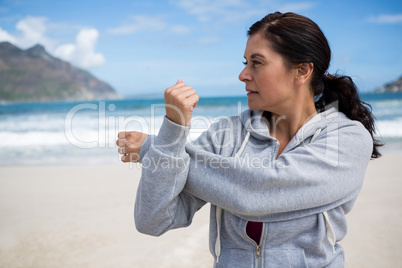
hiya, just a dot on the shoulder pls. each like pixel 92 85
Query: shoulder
pixel 339 137
pixel 354 138
pixel 335 120
pixel 353 128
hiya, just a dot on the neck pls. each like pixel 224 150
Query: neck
pixel 285 125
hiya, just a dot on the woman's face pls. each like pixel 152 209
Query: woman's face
pixel 268 81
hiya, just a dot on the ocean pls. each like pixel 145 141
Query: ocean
pixel 54 133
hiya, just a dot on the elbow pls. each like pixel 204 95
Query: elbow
pixel 148 225
pixel 144 222
pixel 147 228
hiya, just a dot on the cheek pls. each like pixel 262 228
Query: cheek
pixel 262 79
pixel 268 81
pixel 273 86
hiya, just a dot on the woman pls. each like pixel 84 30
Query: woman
pixel 281 176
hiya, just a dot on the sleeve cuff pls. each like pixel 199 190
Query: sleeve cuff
pixel 145 147
pixel 172 138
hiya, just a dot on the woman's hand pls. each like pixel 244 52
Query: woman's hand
pixel 130 143
pixel 180 100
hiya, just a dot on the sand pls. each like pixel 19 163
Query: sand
pixel 82 216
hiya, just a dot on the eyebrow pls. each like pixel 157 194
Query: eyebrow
pixel 256 55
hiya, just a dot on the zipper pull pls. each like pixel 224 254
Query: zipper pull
pixel 258 247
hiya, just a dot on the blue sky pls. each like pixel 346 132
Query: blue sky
pixel 143 47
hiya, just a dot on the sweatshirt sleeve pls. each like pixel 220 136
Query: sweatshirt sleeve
pixel 160 203
pixel 311 178
pixel 145 147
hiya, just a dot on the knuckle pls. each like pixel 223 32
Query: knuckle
pixel 119 142
pixel 186 103
pixel 175 93
pixel 120 135
pixel 181 98
pixel 169 91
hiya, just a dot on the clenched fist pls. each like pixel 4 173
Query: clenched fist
pixel 130 143
pixel 180 100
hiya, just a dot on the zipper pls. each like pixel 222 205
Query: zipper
pixel 257 246
pixel 258 251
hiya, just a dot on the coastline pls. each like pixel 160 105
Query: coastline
pixel 82 216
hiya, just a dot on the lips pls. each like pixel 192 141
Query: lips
pixel 251 91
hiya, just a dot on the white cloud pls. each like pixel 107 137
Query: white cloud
pixel 32 31
pixel 5 36
pixel 142 23
pixel 32 28
pixel 387 19
pixel 82 52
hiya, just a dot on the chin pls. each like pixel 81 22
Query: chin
pixel 252 106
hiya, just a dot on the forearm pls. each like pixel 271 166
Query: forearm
pixel 160 204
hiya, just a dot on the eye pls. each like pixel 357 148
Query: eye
pixel 254 62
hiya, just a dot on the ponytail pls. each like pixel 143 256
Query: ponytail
pixel 343 89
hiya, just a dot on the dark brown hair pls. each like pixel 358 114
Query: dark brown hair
pixel 299 40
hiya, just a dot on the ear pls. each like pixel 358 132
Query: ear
pixel 303 73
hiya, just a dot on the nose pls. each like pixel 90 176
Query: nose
pixel 244 75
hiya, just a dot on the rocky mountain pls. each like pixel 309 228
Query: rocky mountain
pixel 35 75
pixel 392 87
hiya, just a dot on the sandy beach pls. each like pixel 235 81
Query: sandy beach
pixel 82 216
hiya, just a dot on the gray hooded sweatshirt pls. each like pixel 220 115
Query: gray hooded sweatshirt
pixel 301 197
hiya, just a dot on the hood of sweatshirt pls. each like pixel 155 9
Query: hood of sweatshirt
pixel 256 123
